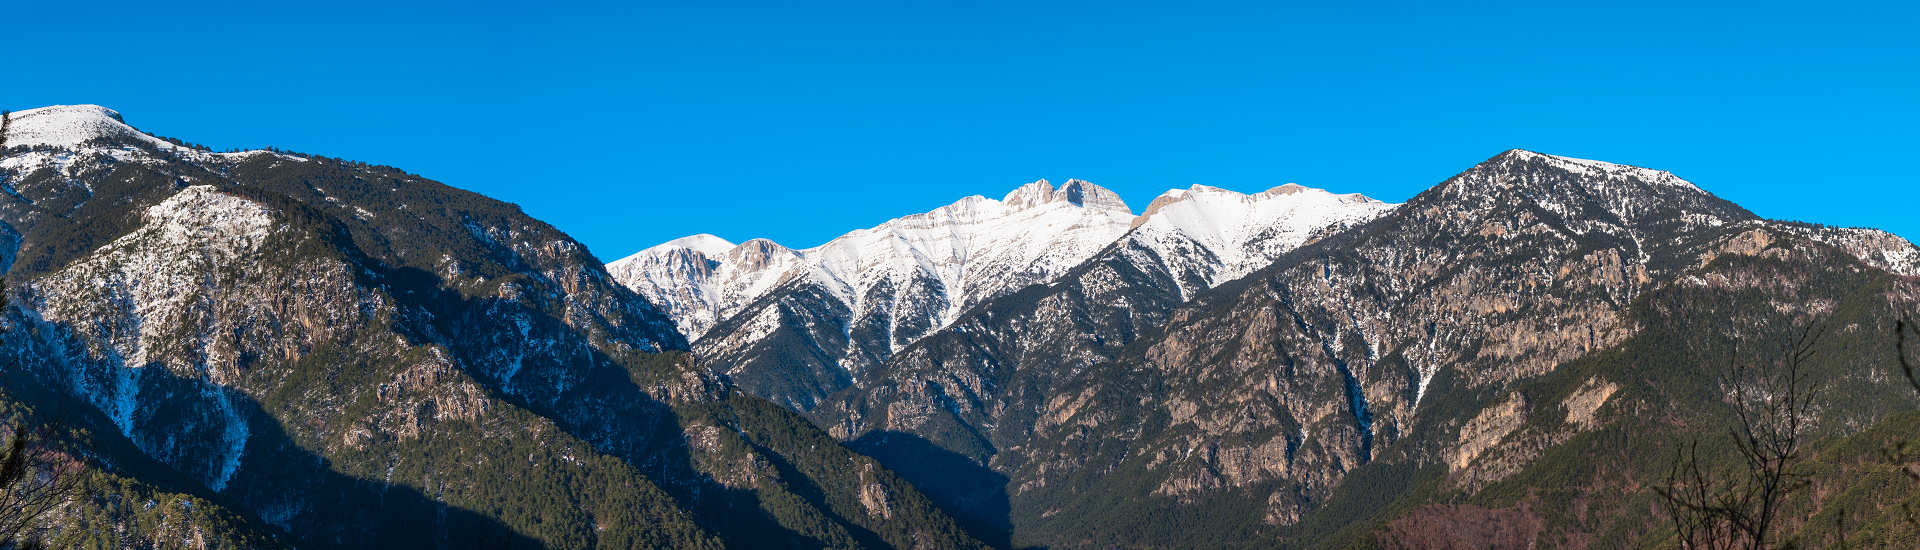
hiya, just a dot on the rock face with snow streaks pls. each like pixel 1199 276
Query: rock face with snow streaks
pixel 350 355
pixel 795 325
pixel 1140 388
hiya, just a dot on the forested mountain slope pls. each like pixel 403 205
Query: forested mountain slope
pixel 1386 350
pixel 260 349
pixel 349 355
pixel 795 325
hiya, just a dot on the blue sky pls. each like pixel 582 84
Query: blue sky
pixel 631 124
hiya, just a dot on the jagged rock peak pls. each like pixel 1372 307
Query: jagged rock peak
pixel 68 126
pixel 1076 192
pixel 757 253
pixel 1035 192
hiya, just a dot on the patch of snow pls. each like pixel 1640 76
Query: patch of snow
pixel 703 243
pixel 234 437
pixel 1588 167
pixel 1208 235
pixel 1875 247
pixel 919 270
pixel 70 126
pixel 159 269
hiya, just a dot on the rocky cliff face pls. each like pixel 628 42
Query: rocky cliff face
pixel 1257 399
pixel 356 356
pixel 795 325
pixel 326 353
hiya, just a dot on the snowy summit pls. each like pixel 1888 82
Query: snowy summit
pixel 70 127
pixel 942 260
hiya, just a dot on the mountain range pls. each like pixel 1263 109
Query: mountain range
pixel 268 348
pixel 295 350
pixel 798 325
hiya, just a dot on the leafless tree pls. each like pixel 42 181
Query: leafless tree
pixel 1902 454
pixel 35 478
pixel 1904 330
pixel 1773 404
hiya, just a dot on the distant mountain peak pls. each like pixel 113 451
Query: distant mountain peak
pixel 704 243
pixel 1207 193
pixel 1207 235
pixel 1588 167
pixel 69 126
pixel 757 253
pixel 882 286
pixel 1287 189
pixel 1031 193
pixel 71 112
pixel 1077 192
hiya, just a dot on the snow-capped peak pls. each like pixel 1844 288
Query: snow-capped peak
pixel 940 261
pixel 1033 193
pixel 69 126
pixel 1206 235
pixel 1076 192
pixel 704 243
pixel 1586 167
pixel 1202 205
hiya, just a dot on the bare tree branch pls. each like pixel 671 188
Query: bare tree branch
pixel 35 479
pixel 1904 330
pixel 1902 454
pixel 1773 403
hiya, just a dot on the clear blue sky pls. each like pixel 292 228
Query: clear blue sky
pixel 630 125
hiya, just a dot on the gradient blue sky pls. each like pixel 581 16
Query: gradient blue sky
pixel 627 125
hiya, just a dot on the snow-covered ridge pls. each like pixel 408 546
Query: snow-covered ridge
pixel 199 211
pixel 1204 236
pixel 70 126
pixel 158 269
pixel 920 271
pixel 1587 167
pixel 963 253
pixel 704 243
pixel 140 290
pixel 1076 192
pixel 1875 247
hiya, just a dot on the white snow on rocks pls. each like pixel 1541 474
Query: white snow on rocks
pixel 71 126
pixel 703 243
pixel 1586 167
pixel 979 248
pixel 135 294
pixel 158 270
pixel 966 252
pixel 1875 247
pixel 1205 236
pixel 932 264
pixel 927 268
